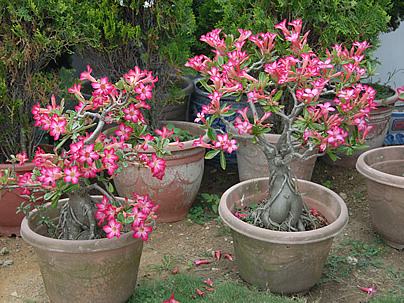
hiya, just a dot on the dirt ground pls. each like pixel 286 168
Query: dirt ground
pixel 358 259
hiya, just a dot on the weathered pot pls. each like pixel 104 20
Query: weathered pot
pixel 384 167
pixel 283 262
pixel 252 163
pixel 10 221
pixel 101 270
pixel 179 110
pixel 180 185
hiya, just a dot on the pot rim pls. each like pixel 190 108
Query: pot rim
pixel 73 246
pixel 28 166
pixel 282 237
pixel 376 175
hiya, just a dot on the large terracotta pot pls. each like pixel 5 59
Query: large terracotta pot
pixel 10 222
pixel 283 262
pixel 252 163
pixel 101 270
pixel 180 185
pixel 383 167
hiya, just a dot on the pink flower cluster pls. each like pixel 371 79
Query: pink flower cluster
pixel 273 75
pixel 139 213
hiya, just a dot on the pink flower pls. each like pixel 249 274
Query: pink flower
pixel 72 175
pixel 124 131
pixel 164 132
pixel 112 229
pixel 139 217
pixel 157 166
pixel 57 126
pixel 49 176
pixel 133 114
pixel 109 156
pixel 87 75
pixel 225 144
pixel 102 87
pixel 369 290
pixel 87 154
pixel 144 91
pixel 75 89
pixel 21 158
pixel 141 231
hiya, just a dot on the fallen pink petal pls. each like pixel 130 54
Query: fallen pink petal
pixel 368 290
pixel 208 282
pixel 202 262
pixel 171 299
pixel 199 292
pixel 217 254
pixel 228 257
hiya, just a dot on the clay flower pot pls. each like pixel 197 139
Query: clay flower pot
pixel 180 185
pixel 10 222
pixel 252 163
pixel 383 167
pixel 101 270
pixel 283 262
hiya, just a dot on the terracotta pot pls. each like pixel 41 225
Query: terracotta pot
pixel 10 222
pixel 101 270
pixel 383 167
pixel 179 110
pixel 252 163
pixel 283 262
pixel 180 185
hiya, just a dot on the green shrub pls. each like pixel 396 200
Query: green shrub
pixel 330 21
pixel 33 34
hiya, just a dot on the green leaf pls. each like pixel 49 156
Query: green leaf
pixel 222 160
pixel 278 95
pixel 111 188
pixel 211 154
pixel 48 196
pixel 211 134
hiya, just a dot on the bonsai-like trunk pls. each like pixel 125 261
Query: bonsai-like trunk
pixel 284 206
pixel 77 220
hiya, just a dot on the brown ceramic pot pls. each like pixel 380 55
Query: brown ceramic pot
pixel 99 271
pixel 383 167
pixel 282 262
pixel 180 185
pixel 10 222
pixel 252 163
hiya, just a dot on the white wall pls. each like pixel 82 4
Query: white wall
pixel 391 57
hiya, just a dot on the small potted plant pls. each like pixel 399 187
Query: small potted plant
pixel 283 227
pixel 89 246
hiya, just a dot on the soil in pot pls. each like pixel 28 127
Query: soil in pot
pixel 100 270
pixel 10 200
pixel 384 169
pixel 252 163
pixel 283 262
pixel 177 190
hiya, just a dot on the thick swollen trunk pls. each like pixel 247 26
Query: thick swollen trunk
pixel 284 206
pixel 77 220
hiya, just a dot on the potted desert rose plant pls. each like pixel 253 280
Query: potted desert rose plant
pixel 283 227
pixel 88 245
